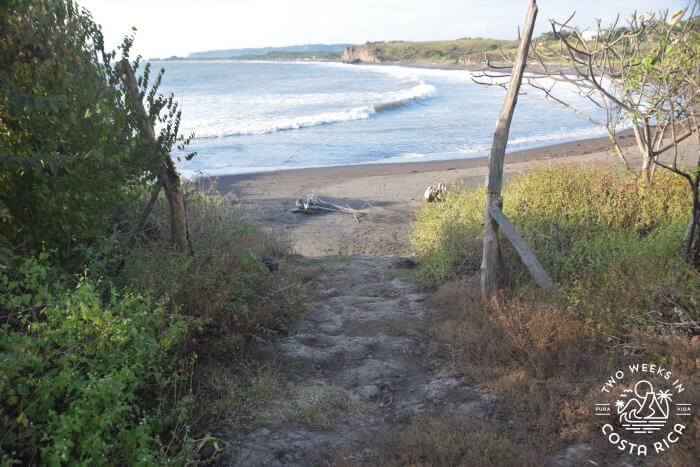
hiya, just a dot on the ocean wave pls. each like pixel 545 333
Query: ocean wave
pixel 405 157
pixel 263 125
pixel 533 139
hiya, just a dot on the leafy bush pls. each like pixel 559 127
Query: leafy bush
pixel 65 151
pixel 223 288
pixel 609 241
pixel 72 151
pixel 75 370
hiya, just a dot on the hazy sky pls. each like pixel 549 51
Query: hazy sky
pixel 178 27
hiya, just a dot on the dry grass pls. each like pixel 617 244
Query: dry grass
pixel 316 405
pixel 230 299
pixel 525 353
pixel 545 365
pixel 610 242
pixel 612 245
pixel 223 288
pixel 430 441
pixel 229 395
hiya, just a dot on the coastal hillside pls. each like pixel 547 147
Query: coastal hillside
pixel 459 51
pixel 293 51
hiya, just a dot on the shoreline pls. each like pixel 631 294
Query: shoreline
pixel 389 195
pixel 552 151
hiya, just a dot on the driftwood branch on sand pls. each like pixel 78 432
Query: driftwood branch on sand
pixel 312 204
pixel 435 193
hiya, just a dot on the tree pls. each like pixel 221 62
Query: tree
pixel 72 152
pixel 644 75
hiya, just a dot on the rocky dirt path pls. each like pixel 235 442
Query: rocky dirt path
pixel 354 369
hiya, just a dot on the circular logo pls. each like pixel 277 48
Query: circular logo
pixel 642 409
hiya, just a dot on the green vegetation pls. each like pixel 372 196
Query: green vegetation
pixel 454 51
pixel 613 245
pixel 610 241
pixel 112 340
pixel 76 366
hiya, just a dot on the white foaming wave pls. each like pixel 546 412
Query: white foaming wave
pixel 402 71
pixel 260 126
pixel 263 125
pixel 404 157
pixel 538 137
pixel 559 135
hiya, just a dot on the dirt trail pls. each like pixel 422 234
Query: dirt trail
pixel 354 367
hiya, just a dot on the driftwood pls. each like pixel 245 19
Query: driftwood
pixel 312 204
pixel 435 193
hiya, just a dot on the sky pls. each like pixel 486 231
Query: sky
pixel 178 27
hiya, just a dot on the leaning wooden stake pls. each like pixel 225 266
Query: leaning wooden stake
pixel 167 173
pixel 494 181
pixel 523 249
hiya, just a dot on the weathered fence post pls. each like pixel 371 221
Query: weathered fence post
pixel 168 177
pixel 494 180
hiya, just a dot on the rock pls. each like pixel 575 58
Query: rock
pixel 369 392
pixel 407 263
pixel 328 293
pixel 292 446
pixel 206 452
pixel 438 390
pixel 365 53
pixel 419 336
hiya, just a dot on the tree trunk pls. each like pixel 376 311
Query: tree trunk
pixel 647 165
pixel 692 235
pixel 645 149
pixel 178 215
pixel 165 168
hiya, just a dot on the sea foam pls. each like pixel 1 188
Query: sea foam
pixel 377 102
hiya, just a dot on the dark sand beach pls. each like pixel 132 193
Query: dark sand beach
pixel 393 193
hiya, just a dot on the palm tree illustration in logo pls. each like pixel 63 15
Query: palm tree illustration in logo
pixel 644 412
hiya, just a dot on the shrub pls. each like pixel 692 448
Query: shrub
pixel 223 288
pixel 65 152
pixel 82 378
pixel 609 241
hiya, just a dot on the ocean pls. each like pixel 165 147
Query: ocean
pixel 262 116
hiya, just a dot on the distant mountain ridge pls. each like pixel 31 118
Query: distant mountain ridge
pixel 259 51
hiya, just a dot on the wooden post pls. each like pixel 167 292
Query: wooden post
pixel 494 180
pixel 167 174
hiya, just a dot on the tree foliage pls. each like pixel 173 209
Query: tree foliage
pixel 71 149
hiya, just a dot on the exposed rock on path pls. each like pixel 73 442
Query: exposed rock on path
pixel 355 367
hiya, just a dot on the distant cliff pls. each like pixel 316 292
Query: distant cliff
pixel 365 53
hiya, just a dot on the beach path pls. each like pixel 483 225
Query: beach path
pixel 354 368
